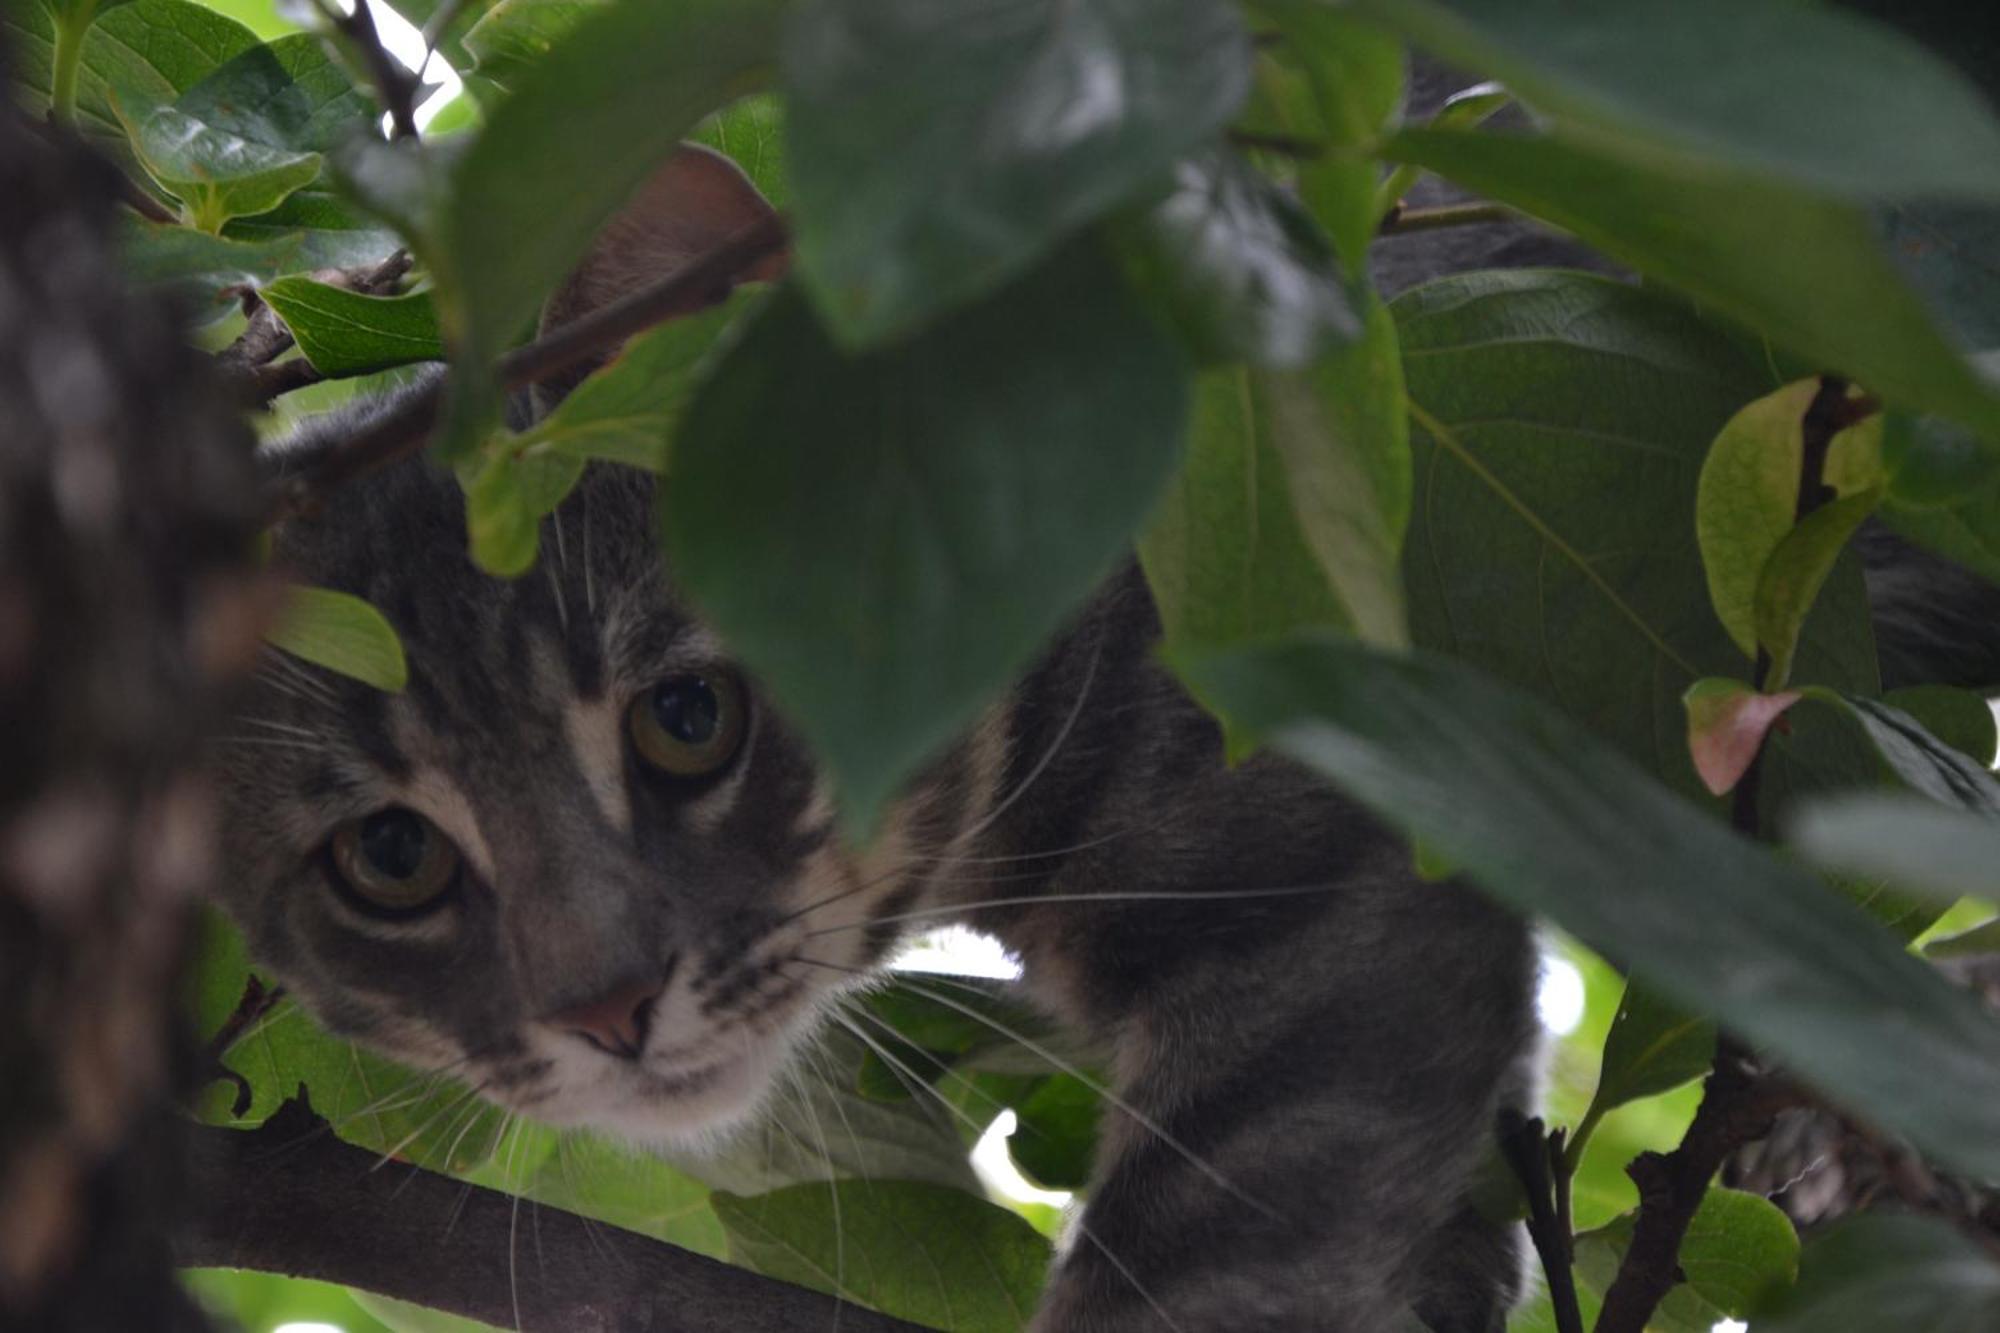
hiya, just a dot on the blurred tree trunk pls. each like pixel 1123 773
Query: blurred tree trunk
pixel 126 600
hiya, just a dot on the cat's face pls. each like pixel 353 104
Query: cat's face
pixel 578 861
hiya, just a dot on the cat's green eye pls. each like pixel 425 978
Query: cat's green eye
pixel 688 726
pixel 394 860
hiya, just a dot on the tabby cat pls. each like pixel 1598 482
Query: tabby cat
pixel 582 863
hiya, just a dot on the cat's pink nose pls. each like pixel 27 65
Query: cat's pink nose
pixel 616 1023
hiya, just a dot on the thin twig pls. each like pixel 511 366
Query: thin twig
pixel 402 430
pixel 395 85
pixel 1537 1159
pixel 1401 221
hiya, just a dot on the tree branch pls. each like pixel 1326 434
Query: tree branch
pixel 291 1198
pixel 1737 1107
pixel 402 430
pixel 1401 221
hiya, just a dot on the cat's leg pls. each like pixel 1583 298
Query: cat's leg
pixel 1306 1111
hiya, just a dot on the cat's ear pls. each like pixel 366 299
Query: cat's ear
pixel 693 202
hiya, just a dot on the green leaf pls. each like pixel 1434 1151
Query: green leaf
pixel 1347 482
pixel 1944 491
pixel 1915 758
pixel 1978 942
pixel 751 132
pixel 612 1182
pixel 940 149
pixel 1727 724
pixel 626 412
pixel 136 57
pixel 923 516
pixel 345 333
pixel 1808 272
pixel 831 1127
pixel 250 133
pixel 1747 499
pixel 1224 554
pixel 560 156
pixel 937 1257
pixel 1785 91
pixel 1544 816
pixel 1653 1047
pixel 1908 841
pixel 514 35
pixel 342 633
pixel 328 231
pixel 506 500
pixel 1883 1271
pixel 1739 1250
pixel 1057 1138
pixel 1561 422
pixel 216 175
pixel 1239 267
pixel 1354 74
pixel 196 266
pixel 1951 254
pixel 1796 571
pixel 1961 719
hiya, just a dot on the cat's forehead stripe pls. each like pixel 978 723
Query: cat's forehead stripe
pixel 596 731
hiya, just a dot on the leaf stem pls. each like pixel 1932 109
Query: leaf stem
pixel 71 30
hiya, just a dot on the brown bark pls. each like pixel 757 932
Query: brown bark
pixel 126 599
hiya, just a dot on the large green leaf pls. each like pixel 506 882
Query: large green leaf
pixel 886 539
pixel 1886 1272
pixel 346 333
pixel 940 147
pixel 1561 422
pixel 1799 91
pixel 557 158
pixel 938 1257
pixel 1546 817
pixel 1809 272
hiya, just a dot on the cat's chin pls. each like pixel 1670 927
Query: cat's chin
pixel 677 1108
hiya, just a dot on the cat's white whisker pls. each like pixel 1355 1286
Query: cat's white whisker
pixel 450 1107
pixel 1109 896
pixel 1111 1098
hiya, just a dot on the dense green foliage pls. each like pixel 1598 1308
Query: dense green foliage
pixel 1466 552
